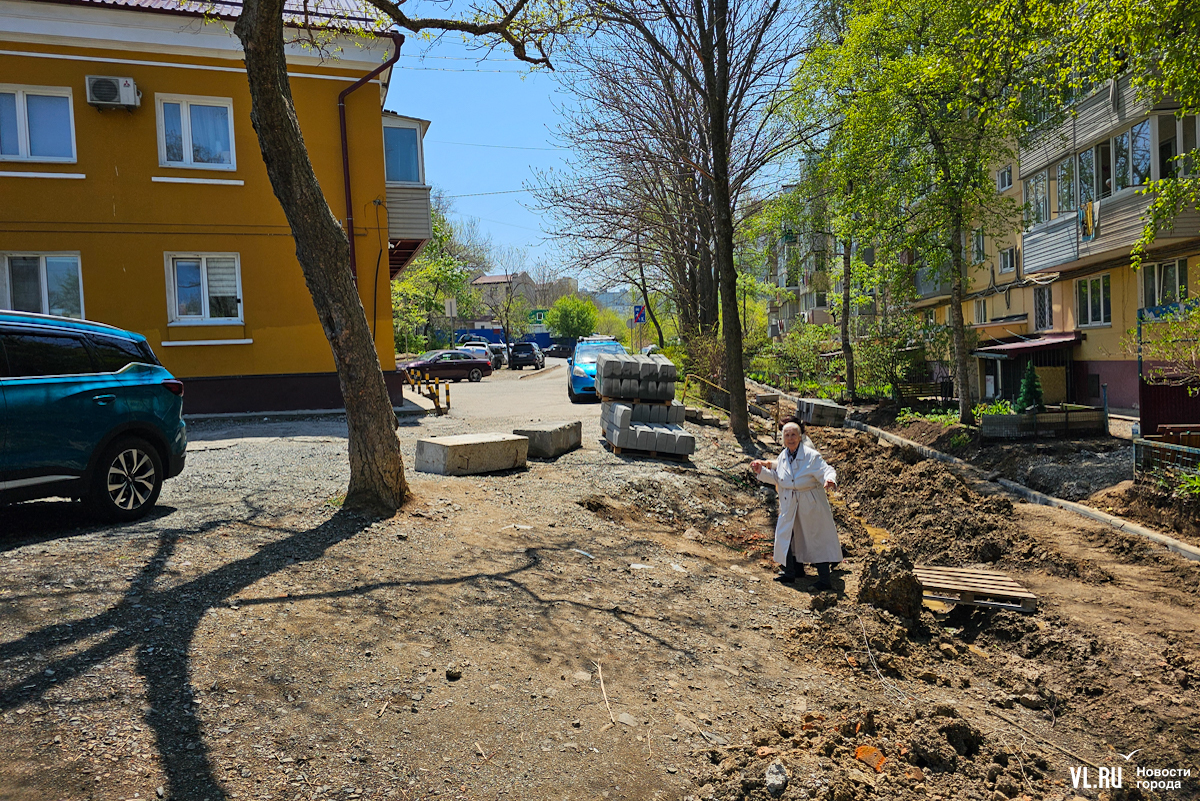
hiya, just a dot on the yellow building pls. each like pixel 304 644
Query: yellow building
pixel 1060 291
pixel 134 193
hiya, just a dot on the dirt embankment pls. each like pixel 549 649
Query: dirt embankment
pixel 1094 470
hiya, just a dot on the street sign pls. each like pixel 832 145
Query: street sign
pixel 639 314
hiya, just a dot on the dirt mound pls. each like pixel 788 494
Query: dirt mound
pixel 1179 517
pixel 927 508
pixel 936 515
pixel 887 581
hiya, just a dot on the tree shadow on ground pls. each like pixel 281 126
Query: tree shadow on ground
pixel 161 623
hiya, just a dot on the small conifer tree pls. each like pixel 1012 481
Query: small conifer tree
pixel 1031 391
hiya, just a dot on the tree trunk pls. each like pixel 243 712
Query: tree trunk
pixel 377 481
pixel 847 350
pixel 958 327
pixel 715 56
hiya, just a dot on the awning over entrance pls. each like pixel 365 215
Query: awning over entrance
pixel 1024 347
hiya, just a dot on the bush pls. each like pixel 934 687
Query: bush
pixel 999 406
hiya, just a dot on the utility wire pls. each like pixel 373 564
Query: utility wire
pixel 499 147
pixel 482 194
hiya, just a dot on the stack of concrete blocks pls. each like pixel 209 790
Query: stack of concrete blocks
pixel 628 421
pixel 820 412
pixel 619 375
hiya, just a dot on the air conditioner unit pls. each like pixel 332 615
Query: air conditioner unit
pixel 104 91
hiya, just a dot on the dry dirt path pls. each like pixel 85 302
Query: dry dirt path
pixel 254 642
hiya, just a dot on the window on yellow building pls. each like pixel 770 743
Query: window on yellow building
pixel 1008 260
pixel 401 155
pixel 1164 283
pixel 1093 301
pixel 36 123
pixel 1043 308
pixel 195 132
pixel 49 283
pixel 978 246
pixel 204 288
pixel 981 311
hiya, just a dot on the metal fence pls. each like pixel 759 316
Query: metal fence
pixel 1153 459
pixel 1056 424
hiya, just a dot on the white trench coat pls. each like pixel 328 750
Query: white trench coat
pixel 804 511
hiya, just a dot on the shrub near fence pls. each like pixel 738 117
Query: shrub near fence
pixel 1056 424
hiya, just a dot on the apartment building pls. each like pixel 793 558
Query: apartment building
pixel 136 193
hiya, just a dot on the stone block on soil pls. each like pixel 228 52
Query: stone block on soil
pixel 470 454
pixel 888 582
pixel 551 440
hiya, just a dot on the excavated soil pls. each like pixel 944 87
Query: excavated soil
pixel 595 627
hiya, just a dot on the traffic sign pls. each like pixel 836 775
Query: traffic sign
pixel 639 314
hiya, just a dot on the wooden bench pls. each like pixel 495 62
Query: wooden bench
pixel 932 389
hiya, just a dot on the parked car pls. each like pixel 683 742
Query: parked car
pixel 87 412
pixel 454 365
pixel 651 349
pixel 499 354
pixel 478 350
pixel 527 354
pixel 581 379
pixel 559 351
pixel 463 339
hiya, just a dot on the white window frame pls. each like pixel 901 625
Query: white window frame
pixel 1044 177
pixel 981 316
pixel 1045 295
pixel 1099 277
pixel 1004 178
pixel 1158 282
pixel 1011 252
pixel 185 122
pixel 390 123
pixel 173 317
pixel 978 246
pixel 23 122
pixel 6 290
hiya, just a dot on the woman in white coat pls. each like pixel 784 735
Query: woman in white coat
pixel 805 532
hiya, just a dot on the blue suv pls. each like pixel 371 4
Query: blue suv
pixel 86 411
pixel 581 380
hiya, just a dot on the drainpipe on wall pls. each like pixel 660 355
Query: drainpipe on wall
pixel 398 39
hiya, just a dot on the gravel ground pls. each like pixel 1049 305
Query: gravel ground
pixel 595 627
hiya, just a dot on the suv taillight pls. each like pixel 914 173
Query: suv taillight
pixel 175 385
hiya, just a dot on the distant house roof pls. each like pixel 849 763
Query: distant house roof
pixel 493 279
pixel 319 13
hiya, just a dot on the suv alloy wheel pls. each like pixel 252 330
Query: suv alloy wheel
pixel 127 481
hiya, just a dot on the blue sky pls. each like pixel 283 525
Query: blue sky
pixel 492 124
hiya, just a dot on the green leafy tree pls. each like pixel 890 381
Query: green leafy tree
pixel 572 316
pixel 421 292
pixel 1169 348
pixel 1030 396
pixel 932 91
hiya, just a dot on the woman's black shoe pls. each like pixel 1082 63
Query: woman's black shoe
pixel 785 578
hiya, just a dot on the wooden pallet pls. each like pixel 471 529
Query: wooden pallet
pixel 675 457
pixel 632 401
pixel 961 585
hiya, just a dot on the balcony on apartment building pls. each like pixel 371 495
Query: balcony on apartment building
pixel 409 223
pixel 1082 179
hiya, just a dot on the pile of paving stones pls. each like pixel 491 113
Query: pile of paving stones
pixel 639 411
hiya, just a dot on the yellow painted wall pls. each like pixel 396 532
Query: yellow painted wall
pixel 1103 342
pixel 1054 383
pixel 122 223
